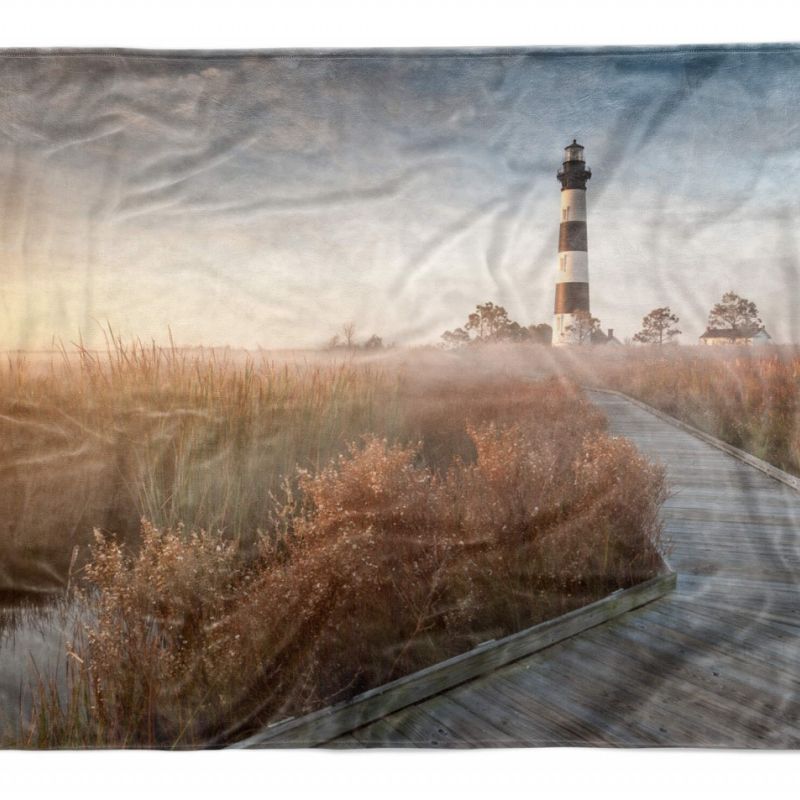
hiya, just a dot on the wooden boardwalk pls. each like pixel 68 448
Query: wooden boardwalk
pixel 715 664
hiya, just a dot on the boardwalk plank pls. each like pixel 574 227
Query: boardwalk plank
pixel 419 726
pixel 382 733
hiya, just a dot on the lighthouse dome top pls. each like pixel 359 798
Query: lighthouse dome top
pixel 573 152
pixel 574 173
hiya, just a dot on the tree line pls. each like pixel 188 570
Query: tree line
pixel 346 339
pixel 491 323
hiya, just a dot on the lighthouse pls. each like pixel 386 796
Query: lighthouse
pixel 572 275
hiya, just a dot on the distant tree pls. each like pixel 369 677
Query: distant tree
pixel 583 327
pixel 334 342
pixel 735 313
pixel 374 343
pixel 658 326
pixel 452 340
pixel 349 335
pixel 489 323
pixel 541 333
pixel 516 333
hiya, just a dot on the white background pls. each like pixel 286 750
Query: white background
pixel 558 773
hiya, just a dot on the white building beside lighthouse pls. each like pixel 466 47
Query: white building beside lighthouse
pixel 572 274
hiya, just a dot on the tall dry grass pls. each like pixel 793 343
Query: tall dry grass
pixel 748 397
pixel 93 440
pixel 411 514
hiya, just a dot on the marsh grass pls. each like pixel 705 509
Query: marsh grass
pixel 92 440
pixel 748 397
pixel 260 538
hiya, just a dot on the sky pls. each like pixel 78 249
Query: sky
pixel 264 200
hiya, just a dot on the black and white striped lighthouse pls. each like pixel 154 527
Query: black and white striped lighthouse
pixel 572 277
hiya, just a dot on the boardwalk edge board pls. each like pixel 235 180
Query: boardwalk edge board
pixel 320 727
pixel 742 455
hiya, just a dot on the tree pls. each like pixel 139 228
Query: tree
pixel 489 323
pixel 540 334
pixel 736 314
pixel 658 326
pixel 374 343
pixel 451 340
pixel 583 326
pixel 516 333
pixel 349 335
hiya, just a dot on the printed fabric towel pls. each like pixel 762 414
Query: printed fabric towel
pixel 431 398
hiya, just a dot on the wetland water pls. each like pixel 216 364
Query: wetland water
pixel 33 641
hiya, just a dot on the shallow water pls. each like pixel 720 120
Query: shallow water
pixel 33 642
